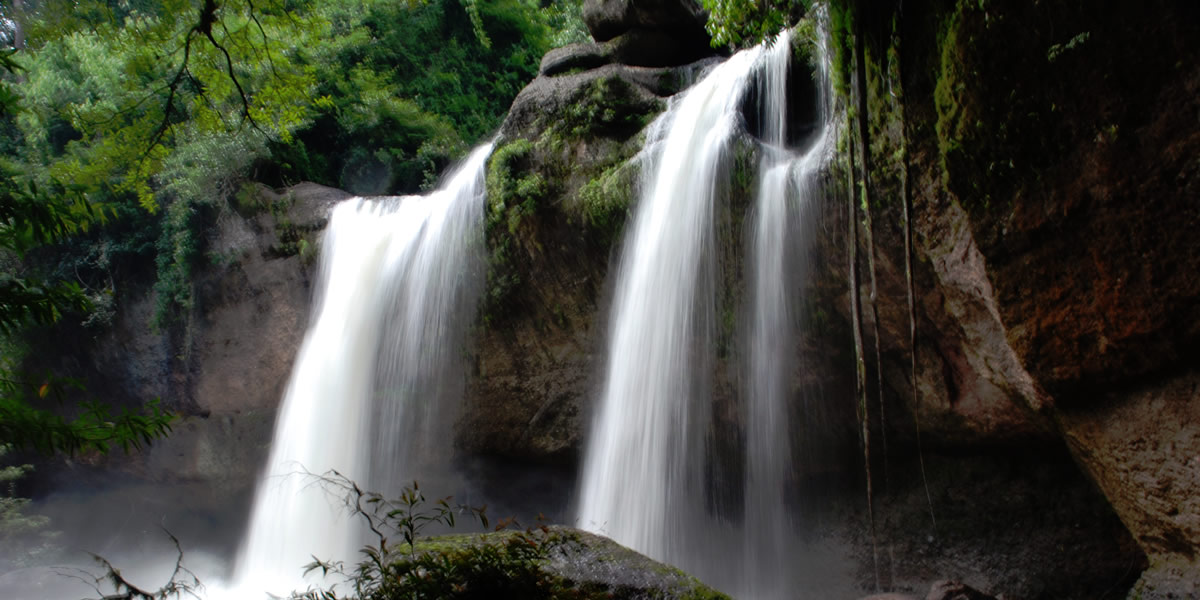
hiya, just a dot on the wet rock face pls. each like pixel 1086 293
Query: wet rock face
pixel 1055 212
pixel 226 371
pixel 1075 159
pixel 567 137
pixel 1142 447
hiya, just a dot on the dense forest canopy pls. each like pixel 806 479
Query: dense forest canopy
pixel 129 127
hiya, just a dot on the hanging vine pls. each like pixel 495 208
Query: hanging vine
pixel 860 382
pixel 906 197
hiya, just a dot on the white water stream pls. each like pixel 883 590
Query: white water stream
pixel 395 292
pixel 644 475
pixel 788 184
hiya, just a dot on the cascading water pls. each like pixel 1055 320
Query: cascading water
pixel 363 396
pixel 788 183
pixel 644 467
pixel 644 475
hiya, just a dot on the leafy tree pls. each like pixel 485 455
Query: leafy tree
pixel 30 218
pixel 160 104
pixel 137 118
pixel 410 87
pixel 136 89
pixel 169 104
pixel 565 19
pixel 740 23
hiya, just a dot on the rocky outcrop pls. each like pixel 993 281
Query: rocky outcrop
pixel 557 196
pixel 223 368
pixel 559 189
pixel 1054 219
pixel 584 565
pixel 1054 310
pixel 977 394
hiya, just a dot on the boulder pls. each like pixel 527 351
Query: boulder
pixel 683 19
pixel 1143 449
pixel 585 565
pixel 637 47
pixel 654 33
pixel 643 47
pixel 550 100
pixel 574 57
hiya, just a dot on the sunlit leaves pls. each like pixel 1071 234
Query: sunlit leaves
pixel 127 83
pixel 739 23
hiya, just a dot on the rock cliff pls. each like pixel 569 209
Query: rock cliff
pixel 1049 153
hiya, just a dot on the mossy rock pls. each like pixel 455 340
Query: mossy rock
pixel 582 565
pixel 609 106
pixel 603 203
pixel 513 188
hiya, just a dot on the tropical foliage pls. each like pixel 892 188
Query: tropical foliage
pixel 126 125
pixel 30 217
pixel 740 23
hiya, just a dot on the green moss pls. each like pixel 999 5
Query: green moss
pixel 604 201
pixel 609 107
pixel 248 200
pixel 530 564
pixel 950 89
pixel 841 29
pixel 885 120
pixel 745 173
pixel 514 191
pixel 502 279
pixel 180 246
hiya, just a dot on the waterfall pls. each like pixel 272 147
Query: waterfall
pixel 788 183
pixel 643 470
pixel 368 383
pixel 644 480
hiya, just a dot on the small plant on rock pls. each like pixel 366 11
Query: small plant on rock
pixel 401 564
